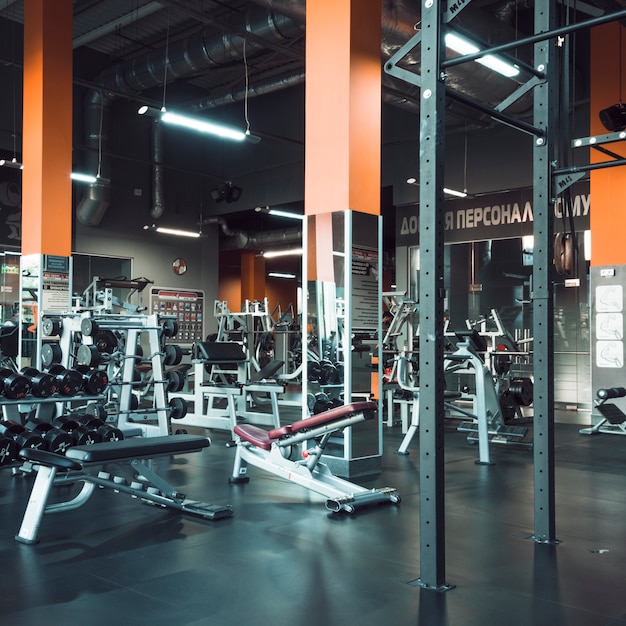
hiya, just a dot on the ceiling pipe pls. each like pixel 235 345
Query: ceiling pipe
pixel 158 197
pixel 95 201
pixel 196 53
pixel 240 240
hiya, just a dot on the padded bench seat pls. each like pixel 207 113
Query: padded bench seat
pixel 137 447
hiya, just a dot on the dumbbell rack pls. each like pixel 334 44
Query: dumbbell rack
pixel 81 329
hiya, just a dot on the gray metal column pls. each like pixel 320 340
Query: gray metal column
pixel 545 111
pixel 431 425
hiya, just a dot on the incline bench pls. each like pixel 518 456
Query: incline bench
pixel 86 464
pixel 270 450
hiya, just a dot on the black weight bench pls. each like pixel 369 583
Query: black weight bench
pixel 86 464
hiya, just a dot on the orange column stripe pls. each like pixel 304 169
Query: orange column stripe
pixel 252 276
pixel 607 185
pixel 343 106
pixel 47 128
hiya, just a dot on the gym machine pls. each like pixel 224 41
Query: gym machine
pixel 487 423
pixel 223 392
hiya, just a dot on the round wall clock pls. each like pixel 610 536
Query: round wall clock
pixel 179 266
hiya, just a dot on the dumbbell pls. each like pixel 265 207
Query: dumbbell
pixel 9 450
pixel 94 381
pixel 42 385
pixel 80 434
pixel 22 437
pixel 106 432
pixel 69 382
pixel 55 439
pixel 13 385
pixel 322 403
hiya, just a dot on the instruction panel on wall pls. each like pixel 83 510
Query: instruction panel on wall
pixel 188 308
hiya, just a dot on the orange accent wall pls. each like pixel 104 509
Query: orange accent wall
pixel 343 106
pixel 47 128
pixel 607 186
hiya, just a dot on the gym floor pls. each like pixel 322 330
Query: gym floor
pixel 282 559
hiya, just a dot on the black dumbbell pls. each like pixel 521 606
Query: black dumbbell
pixel 322 403
pixel 13 385
pixel 94 381
pixel 69 382
pixel 55 439
pixel 42 385
pixel 22 437
pixel 81 435
pixel 105 431
pixel 8 450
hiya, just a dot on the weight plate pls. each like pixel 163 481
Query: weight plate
pixel 172 354
pixel 87 355
pixel 50 326
pixel 51 353
pixel 175 380
pixel 88 327
pixel 170 328
pixel 178 408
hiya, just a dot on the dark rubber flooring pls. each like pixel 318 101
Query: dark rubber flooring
pixel 282 559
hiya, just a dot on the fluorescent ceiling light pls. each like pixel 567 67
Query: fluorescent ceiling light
pixel 83 178
pixel 272 254
pixel 14 163
pixel 281 275
pixel 451 192
pixel 175 231
pixel 198 124
pixel 279 213
pixel 454 192
pixel 463 46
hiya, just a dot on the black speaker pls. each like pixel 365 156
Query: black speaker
pixel 614 118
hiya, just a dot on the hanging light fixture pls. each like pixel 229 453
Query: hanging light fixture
pixel 198 124
pixel 461 45
pixel 177 232
pixel 451 192
pixel 14 163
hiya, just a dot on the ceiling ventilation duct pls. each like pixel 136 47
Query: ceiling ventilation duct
pixel 239 239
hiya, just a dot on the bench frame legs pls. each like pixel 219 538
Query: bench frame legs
pixel 146 485
pixel 310 473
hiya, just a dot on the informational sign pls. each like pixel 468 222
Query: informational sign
pixel 364 288
pixel 502 215
pixel 56 292
pixel 188 308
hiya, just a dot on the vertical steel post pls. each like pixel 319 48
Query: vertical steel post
pixel 431 426
pixel 545 112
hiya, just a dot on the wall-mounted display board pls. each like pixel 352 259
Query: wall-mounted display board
pixel 188 308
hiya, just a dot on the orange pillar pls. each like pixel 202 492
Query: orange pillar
pixel 343 110
pixel 607 185
pixel 252 276
pixel 47 128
